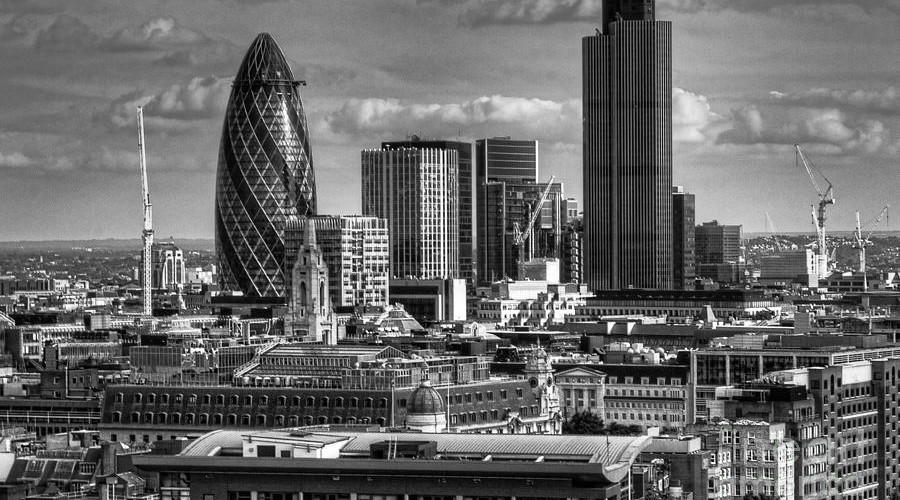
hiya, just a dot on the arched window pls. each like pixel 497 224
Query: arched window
pixel 302 293
pixel 323 420
pixel 380 421
pixel 261 420
pixel 295 401
pixel 368 403
pixel 245 419
pixel 351 420
pixel 294 421
pixel 204 418
pixel 382 403
pixel 336 420
pixel 119 397
pixel 117 416
pixel 207 399
pixel 282 400
pixel 220 399
pixel 307 420
pixel 151 398
pixel 354 402
pixel 323 403
pixel 310 401
pixel 232 419
pixel 248 400
pixel 138 397
pixel 148 417
pixel 234 399
pixel 279 420
pixel 189 418
pixel 135 417
pixel 338 402
pixel 217 419
pixel 322 293
pixel 161 418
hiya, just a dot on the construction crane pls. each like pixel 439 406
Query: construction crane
pixel 520 237
pixel 826 197
pixel 862 242
pixel 147 233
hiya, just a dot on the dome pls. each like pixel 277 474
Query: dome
pixel 425 400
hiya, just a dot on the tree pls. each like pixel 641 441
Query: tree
pixel 588 423
pixel 583 422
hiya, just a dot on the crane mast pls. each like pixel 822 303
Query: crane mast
pixel 147 233
pixel 864 241
pixel 826 198
pixel 520 237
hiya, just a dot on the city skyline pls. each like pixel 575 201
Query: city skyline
pixel 749 81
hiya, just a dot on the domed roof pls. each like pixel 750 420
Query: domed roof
pixel 264 61
pixel 425 400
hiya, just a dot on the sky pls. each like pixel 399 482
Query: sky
pixel 750 77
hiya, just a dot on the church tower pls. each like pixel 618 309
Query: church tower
pixel 309 309
pixel 539 372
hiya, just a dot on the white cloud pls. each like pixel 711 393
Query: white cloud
pixel 154 34
pixel 484 116
pixel 692 117
pixel 15 160
pixel 200 98
pixel 882 101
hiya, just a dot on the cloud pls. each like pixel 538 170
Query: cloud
pixel 475 13
pixel 66 34
pixel 692 117
pixel 478 13
pixel 15 160
pixel 31 6
pixel 883 102
pixel 198 99
pixel 155 34
pixel 761 124
pixel 484 116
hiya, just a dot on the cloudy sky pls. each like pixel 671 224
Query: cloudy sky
pixel 751 78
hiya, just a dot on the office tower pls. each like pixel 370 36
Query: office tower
pixel 356 251
pixel 720 252
pixel 570 209
pixel 788 266
pixel 627 113
pixel 498 160
pixel 570 251
pixel 309 307
pixel 466 200
pixel 265 172
pixel 508 207
pixel 415 189
pixel 168 266
pixel 683 271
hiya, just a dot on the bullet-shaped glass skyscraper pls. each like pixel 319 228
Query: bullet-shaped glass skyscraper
pixel 265 172
pixel 627 99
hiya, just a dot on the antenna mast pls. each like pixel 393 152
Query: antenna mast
pixel 147 233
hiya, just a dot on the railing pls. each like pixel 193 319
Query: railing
pixel 28 416
pixel 253 363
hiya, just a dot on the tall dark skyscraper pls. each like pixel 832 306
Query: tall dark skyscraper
pixel 465 206
pixel 500 161
pixel 627 99
pixel 683 241
pixel 265 172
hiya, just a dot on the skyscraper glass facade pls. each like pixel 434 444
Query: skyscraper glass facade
pixel 265 172
pixel 627 109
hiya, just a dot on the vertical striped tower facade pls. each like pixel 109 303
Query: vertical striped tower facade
pixel 415 189
pixel 265 174
pixel 627 99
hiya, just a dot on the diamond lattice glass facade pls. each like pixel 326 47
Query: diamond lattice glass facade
pixel 265 172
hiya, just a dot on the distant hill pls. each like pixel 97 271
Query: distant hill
pixel 881 233
pixel 110 243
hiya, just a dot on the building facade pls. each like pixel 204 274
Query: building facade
pixel 627 112
pixel 168 266
pixel 265 172
pixel 356 250
pixel 465 190
pixel 720 252
pixel 498 160
pixel 683 239
pixel 415 190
